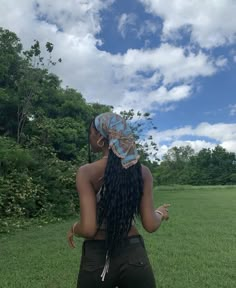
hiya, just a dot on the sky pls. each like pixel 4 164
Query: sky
pixel 173 58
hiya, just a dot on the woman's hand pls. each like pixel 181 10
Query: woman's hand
pixel 163 210
pixel 70 238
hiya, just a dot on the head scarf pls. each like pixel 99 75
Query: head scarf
pixel 120 137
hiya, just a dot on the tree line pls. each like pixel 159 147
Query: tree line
pixel 182 165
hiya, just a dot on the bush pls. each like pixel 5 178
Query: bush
pixel 20 196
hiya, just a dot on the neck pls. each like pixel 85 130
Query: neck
pixel 105 153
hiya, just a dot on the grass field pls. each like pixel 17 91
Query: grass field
pixel 195 248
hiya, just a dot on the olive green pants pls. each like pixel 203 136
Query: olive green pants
pixel 129 265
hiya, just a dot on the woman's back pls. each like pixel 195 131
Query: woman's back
pixel 96 172
pixel 147 212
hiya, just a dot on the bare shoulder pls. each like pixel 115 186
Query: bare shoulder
pixel 146 173
pixel 85 170
pixel 92 171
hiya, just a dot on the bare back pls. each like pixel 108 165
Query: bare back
pixel 96 172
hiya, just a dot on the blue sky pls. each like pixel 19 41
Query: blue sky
pixel 173 58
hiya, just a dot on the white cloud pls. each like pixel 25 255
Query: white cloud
pixel 221 62
pixel 162 95
pixel 124 23
pixel 65 14
pixel 229 145
pixel 211 22
pixel 156 99
pixel 128 23
pixel 138 76
pixel 196 145
pixel 219 133
pixel 148 27
pixel 171 61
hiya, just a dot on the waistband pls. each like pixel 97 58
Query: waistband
pixel 131 240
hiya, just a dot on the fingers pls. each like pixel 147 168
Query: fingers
pixel 71 243
pixel 166 205
pixel 166 216
pixel 70 240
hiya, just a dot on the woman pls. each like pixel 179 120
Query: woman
pixel 112 191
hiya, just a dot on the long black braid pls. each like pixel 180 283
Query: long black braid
pixel 120 200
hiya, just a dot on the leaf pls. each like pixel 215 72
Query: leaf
pixel 49 47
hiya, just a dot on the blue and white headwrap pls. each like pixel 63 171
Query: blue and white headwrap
pixel 120 137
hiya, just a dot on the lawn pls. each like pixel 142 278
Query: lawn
pixel 195 248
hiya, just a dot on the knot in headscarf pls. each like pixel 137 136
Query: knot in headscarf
pixel 120 137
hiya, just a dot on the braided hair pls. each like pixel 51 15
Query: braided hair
pixel 120 200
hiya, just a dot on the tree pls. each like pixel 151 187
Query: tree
pixel 10 60
pixel 21 78
pixel 30 82
pixel 173 168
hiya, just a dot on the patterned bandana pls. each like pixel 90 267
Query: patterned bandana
pixel 121 140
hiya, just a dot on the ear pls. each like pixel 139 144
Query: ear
pixel 101 138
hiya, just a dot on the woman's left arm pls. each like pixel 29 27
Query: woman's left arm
pixel 87 227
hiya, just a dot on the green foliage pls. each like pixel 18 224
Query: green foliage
pixel 35 183
pixel 10 49
pixel 181 165
pixel 20 196
pixel 65 135
pixel 43 135
pixel 13 156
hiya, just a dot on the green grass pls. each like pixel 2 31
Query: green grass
pixel 195 248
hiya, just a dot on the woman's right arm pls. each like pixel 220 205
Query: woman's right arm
pixel 151 220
